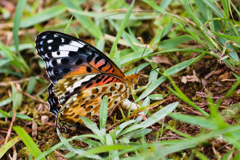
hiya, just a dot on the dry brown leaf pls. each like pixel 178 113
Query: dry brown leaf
pixel 44 119
pixel 34 127
pixel 158 60
pixel 226 75
pixel 188 78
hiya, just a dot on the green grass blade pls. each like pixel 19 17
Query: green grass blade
pixel 139 133
pixel 137 69
pixel 146 102
pixel 151 88
pixel 233 88
pixel 92 126
pixel 151 120
pixel 165 4
pixel 196 120
pixel 19 115
pixel 68 26
pixel 4 114
pixel 91 143
pixel 63 142
pixel 173 42
pixel 84 20
pixel 105 149
pixel 8 145
pixel 17 98
pixel 43 16
pixel 66 144
pixel 5 101
pixel 103 114
pixel 181 95
pixel 8 71
pixel 233 38
pixel 126 36
pixel 171 71
pixel 122 126
pixel 4 61
pixel 134 56
pixel 28 141
pixel 202 8
pixel 186 144
pixel 7 52
pixel 31 84
pixel 177 68
pixel 159 115
pixel 130 129
pixel 155 6
pixel 156 97
pixel 17 19
pixel 200 155
pixel 121 30
pixel 228 155
pixel 214 8
pixel 154 73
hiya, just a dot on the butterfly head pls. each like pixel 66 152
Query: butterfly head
pixel 132 80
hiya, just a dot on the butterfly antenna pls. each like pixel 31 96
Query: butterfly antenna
pixel 143 53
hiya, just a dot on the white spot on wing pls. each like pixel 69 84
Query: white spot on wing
pixel 79 83
pixel 66 84
pixel 43 37
pixel 59 61
pixel 49 41
pixel 68 48
pixel 74 98
pixel 49 47
pixel 76 43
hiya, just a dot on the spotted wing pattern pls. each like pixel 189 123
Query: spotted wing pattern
pixel 88 102
pixel 81 75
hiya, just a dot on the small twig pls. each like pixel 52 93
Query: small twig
pixel 228 80
pixel 32 97
pixel 17 81
pixel 14 157
pixel 58 154
pixel 10 127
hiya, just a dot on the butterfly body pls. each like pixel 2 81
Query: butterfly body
pixel 81 76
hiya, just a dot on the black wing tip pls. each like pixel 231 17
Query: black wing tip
pixel 45 33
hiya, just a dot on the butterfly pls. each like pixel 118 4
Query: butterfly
pixel 81 76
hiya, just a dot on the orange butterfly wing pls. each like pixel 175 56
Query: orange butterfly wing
pixel 76 69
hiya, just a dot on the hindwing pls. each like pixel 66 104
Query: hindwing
pixel 87 103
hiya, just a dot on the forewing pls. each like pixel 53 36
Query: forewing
pixel 66 56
